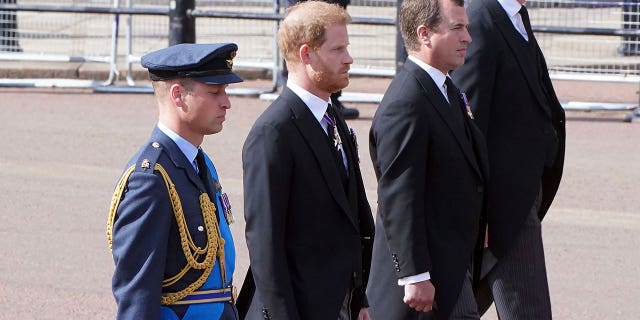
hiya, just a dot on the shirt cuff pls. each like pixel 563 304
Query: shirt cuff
pixel 414 279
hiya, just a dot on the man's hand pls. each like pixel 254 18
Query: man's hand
pixel 364 314
pixel 419 295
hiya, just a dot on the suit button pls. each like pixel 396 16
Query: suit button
pixel 480 189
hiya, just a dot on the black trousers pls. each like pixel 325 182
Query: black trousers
pixel 518 281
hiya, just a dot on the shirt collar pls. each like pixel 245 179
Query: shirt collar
pixel 190 151
pixel 435 74
pixel 316 105
pixel 511 7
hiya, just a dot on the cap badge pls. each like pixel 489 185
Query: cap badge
pixel 230 61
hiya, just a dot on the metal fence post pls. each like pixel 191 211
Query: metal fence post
pixel 631 21
pixel 8 29
pixel 401 52
pixel 182 26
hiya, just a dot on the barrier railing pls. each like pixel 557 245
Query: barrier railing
pixel 576 36
pixel 585 40
pixel 590 41
pixel 57 34
pixel 251 24
pixel 144 34
pixel 582 40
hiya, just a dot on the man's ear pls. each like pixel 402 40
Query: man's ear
pixel 424 34
pixel 304 53
pixel 176 92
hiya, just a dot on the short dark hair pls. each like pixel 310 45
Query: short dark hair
pixel 414 13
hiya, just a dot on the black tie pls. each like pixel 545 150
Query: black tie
pixel 203 170
pixel 524 14
pixel 453 94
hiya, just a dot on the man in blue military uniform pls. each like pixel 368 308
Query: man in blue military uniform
pixel 169 220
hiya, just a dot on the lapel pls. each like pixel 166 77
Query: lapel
pixel 519 46
pixel 349 146
pixel 443 109
pixel 480 147
pixel 312 132
pixel 180 161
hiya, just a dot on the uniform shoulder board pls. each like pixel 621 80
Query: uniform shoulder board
pixel 148 157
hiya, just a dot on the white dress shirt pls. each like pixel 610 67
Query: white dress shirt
pixel 512 8
pixel 438 77
pixel 189 150
pixel 318 107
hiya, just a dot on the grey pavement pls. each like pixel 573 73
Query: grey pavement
pixel 63 150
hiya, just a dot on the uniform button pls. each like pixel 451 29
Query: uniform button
pixel 200 228
pixel 480 189
pixel 155 144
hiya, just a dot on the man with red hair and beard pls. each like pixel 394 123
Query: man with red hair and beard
pixel 309 227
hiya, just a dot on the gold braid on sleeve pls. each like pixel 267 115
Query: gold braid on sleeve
pixel 213 249
pixel 115 202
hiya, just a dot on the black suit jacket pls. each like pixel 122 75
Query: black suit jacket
pixel 517 109
pixel 431 182
pixel 309 235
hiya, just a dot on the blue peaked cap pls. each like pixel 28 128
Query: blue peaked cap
pixel 209 63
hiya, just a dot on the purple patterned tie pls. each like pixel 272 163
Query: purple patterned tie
pixel 332 130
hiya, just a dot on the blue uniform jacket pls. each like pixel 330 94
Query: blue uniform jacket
pixel 146 246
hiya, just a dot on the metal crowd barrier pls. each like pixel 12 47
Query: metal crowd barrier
pixel 587 38
pixel 231 23
pixel 59 37
pixel 149 31
pixel 590 40
pixel 251 24
pixel 581 39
